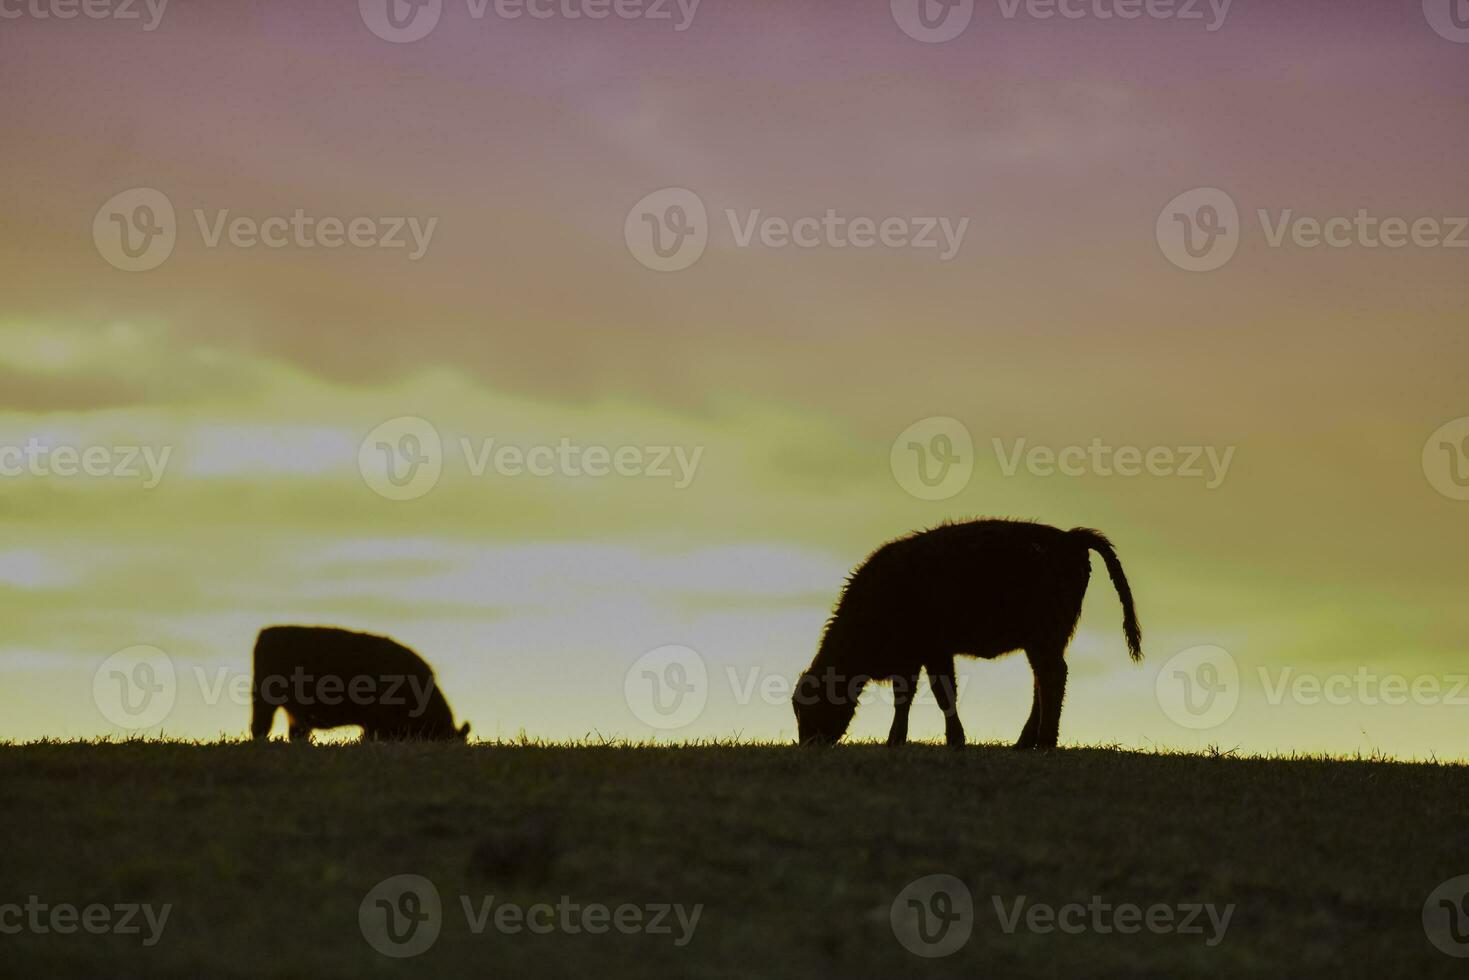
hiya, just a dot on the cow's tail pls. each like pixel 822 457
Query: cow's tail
pixel 1097 541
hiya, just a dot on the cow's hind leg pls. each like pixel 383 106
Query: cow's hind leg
pixel 903 690
pixel 941 679
pixel 297 731
pixel 1049 665
pixel 1028 733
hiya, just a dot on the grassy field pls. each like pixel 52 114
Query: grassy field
pixel 266 854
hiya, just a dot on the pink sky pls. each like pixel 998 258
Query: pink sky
pixel 528 141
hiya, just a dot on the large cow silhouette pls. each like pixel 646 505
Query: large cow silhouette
pixel 326 678
pixel 981 588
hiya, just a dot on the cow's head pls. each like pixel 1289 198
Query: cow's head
pixel 446 732
pixel 823 710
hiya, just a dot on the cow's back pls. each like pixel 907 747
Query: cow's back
pixel 327 651
pixel 979 586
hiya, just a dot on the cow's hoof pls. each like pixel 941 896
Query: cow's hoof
pixel 955 742
pixel 1024 745
pixel 895 741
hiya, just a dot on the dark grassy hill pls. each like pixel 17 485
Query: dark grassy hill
pixel 266 855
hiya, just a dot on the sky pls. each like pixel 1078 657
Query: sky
pixel 663 323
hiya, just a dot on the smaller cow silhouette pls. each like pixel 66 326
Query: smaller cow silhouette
pixel 326 678
pixel 981 588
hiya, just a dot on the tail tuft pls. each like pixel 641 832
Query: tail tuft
pixel 1097 541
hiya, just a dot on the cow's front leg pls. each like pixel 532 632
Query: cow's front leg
pixel 941 679
pixel 903 690
pixel 262 715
